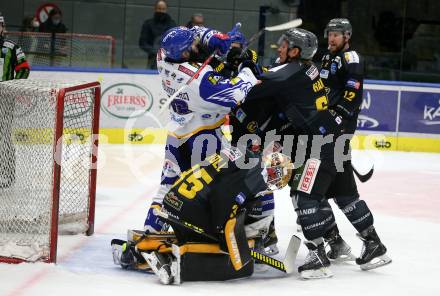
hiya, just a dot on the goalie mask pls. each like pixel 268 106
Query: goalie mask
pixel 277 170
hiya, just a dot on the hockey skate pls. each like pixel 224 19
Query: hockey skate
pixel 316 263
pixel 340 251
pixel 373 254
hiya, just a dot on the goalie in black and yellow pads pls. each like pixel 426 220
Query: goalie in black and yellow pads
pixel 206 208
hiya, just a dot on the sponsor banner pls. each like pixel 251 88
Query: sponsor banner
pixel 127 100
pixel 133 136
pixel 374 141
pixel 378 111
pixel 419 112
pixel 131 107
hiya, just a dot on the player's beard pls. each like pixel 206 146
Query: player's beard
pixel 338 48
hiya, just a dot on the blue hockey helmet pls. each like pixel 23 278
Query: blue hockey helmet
pixel 177 40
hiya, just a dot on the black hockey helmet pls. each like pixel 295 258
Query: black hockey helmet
pixel 338 25
pixel 305 40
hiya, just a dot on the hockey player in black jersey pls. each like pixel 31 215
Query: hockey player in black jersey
pixel 211 242
pixel 292 100
pixel 342 72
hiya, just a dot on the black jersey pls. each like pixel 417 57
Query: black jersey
pixel 343 75
pixel 207 195
pixel 291 95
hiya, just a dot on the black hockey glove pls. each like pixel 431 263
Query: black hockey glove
pixel 255 68
pixel 235 57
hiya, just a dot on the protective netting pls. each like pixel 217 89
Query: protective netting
pixel 28 113
pixel 45 49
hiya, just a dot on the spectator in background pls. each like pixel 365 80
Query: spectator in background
pixel 196 20
pixel 30 24
pixel 54 23
pixel 152 31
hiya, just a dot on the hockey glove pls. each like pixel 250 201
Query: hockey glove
pixel 220 42
pixel 255 68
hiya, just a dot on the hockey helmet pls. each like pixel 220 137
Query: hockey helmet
pixel 305 40
pixel 338 25
pixel 177 40
pixel 277 170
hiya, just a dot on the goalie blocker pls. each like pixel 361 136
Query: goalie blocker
pixel 211 201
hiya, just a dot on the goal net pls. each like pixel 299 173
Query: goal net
pixel 48 149
pixel 66 49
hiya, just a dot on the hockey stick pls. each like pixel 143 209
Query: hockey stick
pixel 281 27
pixel 287 265
pixel 363 178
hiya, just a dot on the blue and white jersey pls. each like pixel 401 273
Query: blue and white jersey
pixel 204 103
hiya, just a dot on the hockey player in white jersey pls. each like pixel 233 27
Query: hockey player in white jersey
pixel 198 112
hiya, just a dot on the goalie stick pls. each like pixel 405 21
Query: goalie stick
pixel 281 27
pixel 287 265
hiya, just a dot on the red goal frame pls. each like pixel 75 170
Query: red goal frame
pixel 57 150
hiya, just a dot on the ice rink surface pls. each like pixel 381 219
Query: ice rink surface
pixel 403 195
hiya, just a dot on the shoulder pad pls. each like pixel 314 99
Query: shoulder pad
pixel 282 72
pixel 351 57
pixel 9 44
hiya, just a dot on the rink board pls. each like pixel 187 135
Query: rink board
pixel 406 114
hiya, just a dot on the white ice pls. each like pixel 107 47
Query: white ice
pixel 403 195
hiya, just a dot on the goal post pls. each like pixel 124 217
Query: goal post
pixel 48 153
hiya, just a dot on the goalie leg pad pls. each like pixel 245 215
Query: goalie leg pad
pixel 211 267
pixel 356 211
pixel 236 241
